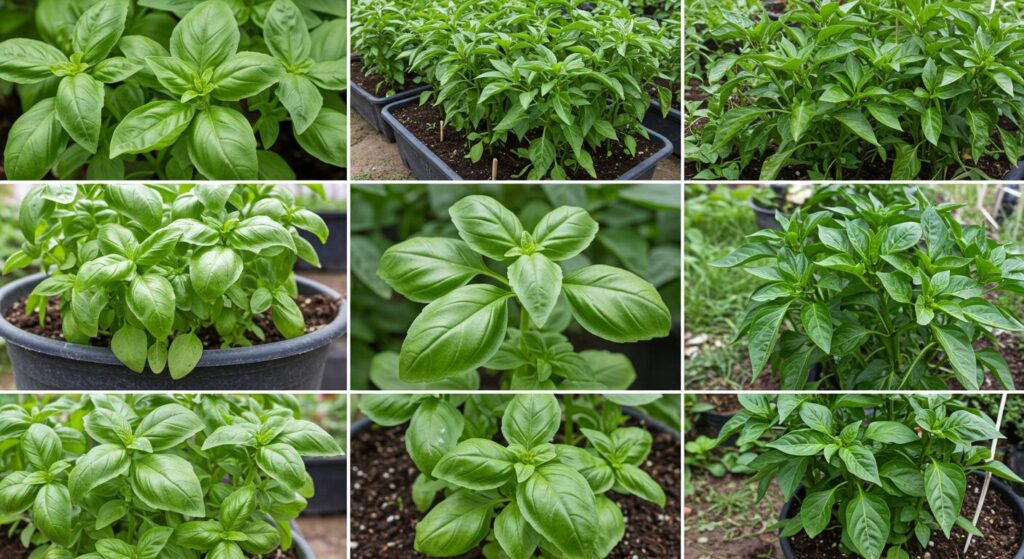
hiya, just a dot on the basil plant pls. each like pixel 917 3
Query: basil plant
pixel 140 94
pixel 878 296
pixel 152 267
pixel 155 476
pixel 889 472
pixel 520 493
pixel 466 323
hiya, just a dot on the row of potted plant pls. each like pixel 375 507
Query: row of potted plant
pixel 561 96
pixel 153 287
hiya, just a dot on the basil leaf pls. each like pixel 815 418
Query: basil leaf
pixel 486 226
pixel 284 30
pixel 153 126
pixel 52 514
pixel 184 355
pixel 388 410
pixel 302 99
pixel 565 232
pixel 214 271
pixel 169 426
pixel 245 75
pixel 42 446
pixel 433 432
pixel 616 305
pixel 308 439
pixel 131 347
pixel 456 525
pixel 325 139
pixel 28 61
pixel 531 420
pixel 476 464
pixel 34 143
pixel 537 283
pixel 458 332
pixel 167 482
pixel 284 464
pixel 151 299
pixel 116 69
pixel 559 505
pixel 206 36
pixel 514 534
pixel 222 145
pixel 140 203
pixel 176 75
pixel 99 29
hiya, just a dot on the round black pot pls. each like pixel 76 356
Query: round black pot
pixel 765 216
pixel 332 253
pixel 330 482
pixel 44 364
pixel 1016 173
pixel 996 487
pixel 368 105
pixel 1015 461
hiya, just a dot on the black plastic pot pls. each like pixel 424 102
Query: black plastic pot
pixel 765 216
pixel 336 369
pixel 1017 173
pixel 996 487
pixel 710 423
pixel 300 545
pixel 330 481
pixel 333 253
pixel 670 127
pixel 1015 461
pixel 426 165
pixel 43 364
pixel 369 105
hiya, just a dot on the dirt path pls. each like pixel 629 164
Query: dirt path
pixel 371 157
pixel 326 535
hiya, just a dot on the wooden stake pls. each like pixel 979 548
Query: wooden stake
pixel 494 169
pixel 988 475
pixel 442 131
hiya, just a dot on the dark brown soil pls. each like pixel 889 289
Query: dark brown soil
pixel 375 84
pixel 383 516
pixel 725 521
pixel 998 523
pixel 318 310
pixel 10 549
pixel 424 121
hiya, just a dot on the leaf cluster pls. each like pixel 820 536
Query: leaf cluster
pixel 142 94
pixel 151 476
pixel 520 493
pixel 882 296
pixel 887 471
pixel 152 266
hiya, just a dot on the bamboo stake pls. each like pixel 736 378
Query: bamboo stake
pixel 988 475
pixel 494 169
pixel 442 131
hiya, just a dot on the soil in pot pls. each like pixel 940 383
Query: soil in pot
pixel 998 523
pixel 384 517
pixel 724 519
pixel 12 549
pixel 424 121
pixel 370 83
pixel 318 311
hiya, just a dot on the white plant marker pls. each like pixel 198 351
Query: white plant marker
pixel 988 475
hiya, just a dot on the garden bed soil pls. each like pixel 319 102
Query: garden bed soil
pixel 998 523
pixel 714 532
pixel 370 83
pixel 12 549
pixel 318 311
pixel 423 121
pixel 384 517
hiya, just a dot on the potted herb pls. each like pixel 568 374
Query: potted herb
pixel 151 476
pixel 194 280
pixel 878 476
pixel 882 295
pixel 380 74
pixel 330 473
pixel 466 323
pixel 121 89
pixel 517 475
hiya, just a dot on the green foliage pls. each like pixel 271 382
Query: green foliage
pixel 465 325
pixel 520 493
pixel 151 266
pixel 926 88
pixel 142 94
pixel 887 470
pixel 882 295
pixel 151 476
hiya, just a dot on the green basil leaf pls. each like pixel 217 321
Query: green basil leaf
pixel 214 271
pixel 184 355
pixel 302 99
pixel 42 446
pixel 103 270
pixel 151 127
pixel 238 508
pixel 486 225
pixel 201 535
pixel 285 32
pixel 131 347
pixel 222 145
pixel 116 69
pixel 637 482
pixel 308 439
pixel 456 333
pixel 616 305
pixel 559 505
pixel 514 534
pixel 256 234
pixel 329 75
pixel 52 514
pixel 245 75
pixel 153 541
pixel 176 75
pixel 167 482
pixel 433 432
pixel 99 28
pixel 456 525
pixel 151 299
pixel 284 464
pixel 816 511
pixel 477 464
pixel 34 143
pixel 565 232
pixel 425 268
pixel 389 410
pixel 537 283
pixel 169 426
pixel 531 420
pixel 206 36
pixel 325 139
pixel 28 61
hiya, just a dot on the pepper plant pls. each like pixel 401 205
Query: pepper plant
pixel 922 89
pixel 150 267
pixel 152 476
pixel 520 493
pixel 185 91
pixel 883 296
pixel 466 324
pixel 376 28
pixel 889 472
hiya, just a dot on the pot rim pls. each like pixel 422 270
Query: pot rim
pixel 1000 487
pixel 211 357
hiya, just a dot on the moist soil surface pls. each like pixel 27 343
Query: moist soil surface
pixel 998 523
pixel 318 311
pixel 370 83
pixel 724 520
pixel 424 122
pixel 384 517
